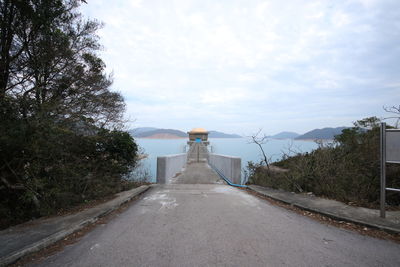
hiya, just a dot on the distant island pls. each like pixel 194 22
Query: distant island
pixel 215 134
pixel 324 133
pixel 156 133
pixel 285 135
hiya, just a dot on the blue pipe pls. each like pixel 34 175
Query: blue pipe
pixel 226 179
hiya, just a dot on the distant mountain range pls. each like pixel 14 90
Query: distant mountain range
pixel 215 134
pixel 324 133
pixel 141 130
pixel 285 135
pixel 155 133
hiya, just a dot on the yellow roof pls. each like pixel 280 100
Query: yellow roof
pixel 198 130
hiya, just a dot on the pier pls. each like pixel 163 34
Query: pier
pixel 198 165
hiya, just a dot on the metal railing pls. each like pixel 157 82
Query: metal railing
pixel 390 153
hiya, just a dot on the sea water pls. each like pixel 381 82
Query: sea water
pixel 238 147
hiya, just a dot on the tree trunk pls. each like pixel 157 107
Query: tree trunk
pixel 7 35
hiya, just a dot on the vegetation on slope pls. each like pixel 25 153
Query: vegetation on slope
pixel 347 169
pixel 59 138
pixel 324 133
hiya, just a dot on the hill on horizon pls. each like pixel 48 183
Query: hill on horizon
pixel 285 135
pixel 156 133
pixel 216 134
pixel 141 130
pixel 324 133
pixel 161 133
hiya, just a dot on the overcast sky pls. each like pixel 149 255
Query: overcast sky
pixel 237 66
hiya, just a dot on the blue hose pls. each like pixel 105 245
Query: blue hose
pixel 226 179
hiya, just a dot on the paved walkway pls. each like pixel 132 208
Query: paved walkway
pixel 335 209
pixel 26 238
pixel 218 225
pixel 209 224
pixel 198 152
pixel 197 173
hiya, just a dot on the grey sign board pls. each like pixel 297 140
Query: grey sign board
pixel 390 153
pixel 393 146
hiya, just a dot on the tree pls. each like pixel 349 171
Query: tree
pixel 13 14
pixel 346 170
pixel 394 110
pixel 260 141
pixel 59 141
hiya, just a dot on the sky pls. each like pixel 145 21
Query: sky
pixel 238 66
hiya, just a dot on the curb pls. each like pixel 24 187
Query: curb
pixel 329 214
pixel 45 242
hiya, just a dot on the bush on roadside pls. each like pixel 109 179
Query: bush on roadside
pixel 60 137
pixel 49 167
pixel 346 170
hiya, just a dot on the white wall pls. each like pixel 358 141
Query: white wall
pixel 230 167
pixel 168 166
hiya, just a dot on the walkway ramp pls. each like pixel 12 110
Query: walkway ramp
pixel 197 173
pixel 198 152
pixel 194 167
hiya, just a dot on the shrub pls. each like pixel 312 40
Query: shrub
pixel 347 170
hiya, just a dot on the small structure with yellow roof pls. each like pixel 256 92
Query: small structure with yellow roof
pixel 198 135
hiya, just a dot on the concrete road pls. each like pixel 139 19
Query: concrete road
pixel 217 225
pixel 197 173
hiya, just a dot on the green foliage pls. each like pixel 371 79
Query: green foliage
pixel 47 167
pixel 347 170
pixel 59 143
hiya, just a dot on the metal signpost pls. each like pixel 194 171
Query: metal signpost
pixel 390 153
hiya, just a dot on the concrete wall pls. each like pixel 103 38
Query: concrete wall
pixel 168 166
pixel 197 153
pixel 202 136
pixel 229 166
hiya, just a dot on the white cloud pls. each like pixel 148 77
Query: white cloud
pixel 223 96
pixel 340 19
pixel 367 3
pixel 244 63
pixel 135 3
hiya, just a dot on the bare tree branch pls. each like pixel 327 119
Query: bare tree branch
pixel 393 110
pixel 259 141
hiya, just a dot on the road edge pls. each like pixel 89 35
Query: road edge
pixel 327 213
pixel 45 242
